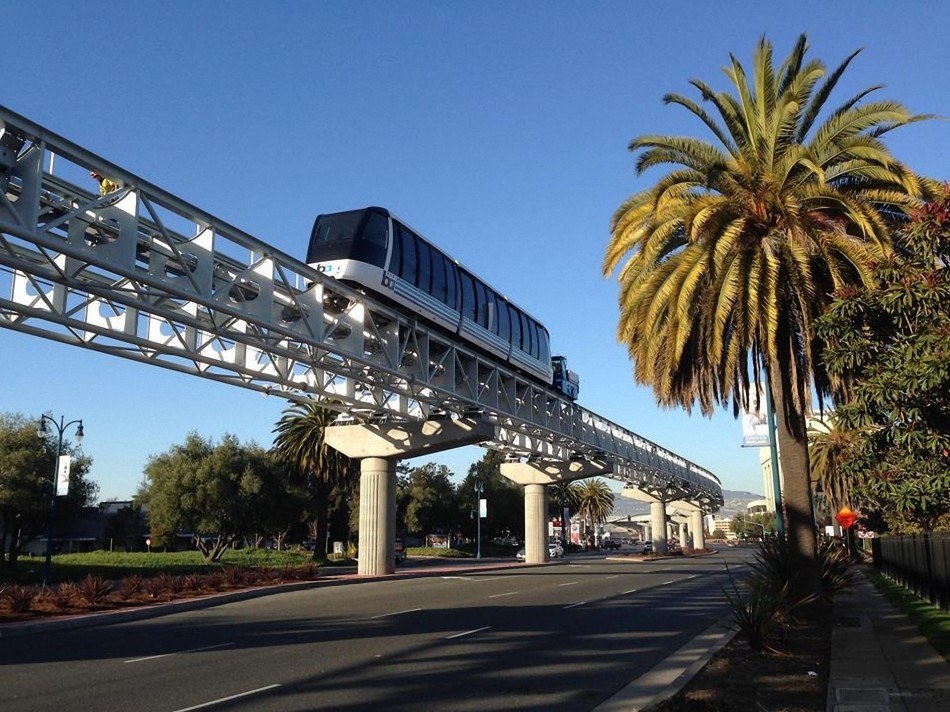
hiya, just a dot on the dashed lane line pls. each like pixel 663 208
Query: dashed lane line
pixel 228 699
pixel 178 652
pixel 395 613
pixel 467 632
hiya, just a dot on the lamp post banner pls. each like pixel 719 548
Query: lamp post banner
pixel 62 475
pixel 755 429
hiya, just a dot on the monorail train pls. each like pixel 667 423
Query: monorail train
pixel 375 250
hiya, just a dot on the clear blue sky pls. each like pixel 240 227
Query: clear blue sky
pixel 497 129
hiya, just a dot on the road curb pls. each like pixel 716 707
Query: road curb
pixel 672 674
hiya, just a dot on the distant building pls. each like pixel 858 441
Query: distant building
pixel 758 506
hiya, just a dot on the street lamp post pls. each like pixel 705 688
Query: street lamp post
pixel 479 488
pixel 43 432
pixel 756 524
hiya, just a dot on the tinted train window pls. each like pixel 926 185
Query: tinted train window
pixel 526 333
pixel 544 352
pixel 423 265
pixel 504 324
pixel 481 305
pixel 332 235
pixel 438 277
pixel 451 285
pixel 407 266
pixel 469 305
pixel 515 327
pixel 395 259
pixel 492 301
pixel 371 247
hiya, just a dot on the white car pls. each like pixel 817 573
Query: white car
pixel 555 551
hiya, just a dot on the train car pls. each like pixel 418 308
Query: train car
pixel 373 249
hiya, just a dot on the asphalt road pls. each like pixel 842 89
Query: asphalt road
pixel 561 637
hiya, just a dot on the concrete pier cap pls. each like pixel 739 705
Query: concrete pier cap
pixel 379 447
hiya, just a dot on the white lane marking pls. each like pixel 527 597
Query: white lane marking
pixel 627 593
pixel 178 652
pixel 578 566
pixel 468 632
pixel 455 578
pixel 569 583
pixel 612 577
pixel 575 605
pixel 227 699
pixel 500 595
pixel 395 613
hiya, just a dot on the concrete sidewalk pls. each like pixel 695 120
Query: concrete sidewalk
pixel 880 662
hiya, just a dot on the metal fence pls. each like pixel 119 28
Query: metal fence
pixel 919 562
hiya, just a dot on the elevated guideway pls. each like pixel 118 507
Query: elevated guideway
pixel 144 275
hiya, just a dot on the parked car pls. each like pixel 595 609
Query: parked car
pixel 609 544
pixel 648 547
pixel 400 551
pixel 555 551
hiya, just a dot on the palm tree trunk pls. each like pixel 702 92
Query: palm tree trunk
pixel 321 516
pixel 797 498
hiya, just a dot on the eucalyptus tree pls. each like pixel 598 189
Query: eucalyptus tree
pixel 727 260
pixel 329 475
pixel 208 490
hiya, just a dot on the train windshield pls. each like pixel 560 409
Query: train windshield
pixel 354 234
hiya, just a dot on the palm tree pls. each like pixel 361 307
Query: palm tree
pixel 300 443
pixel 731 256
pixel 565 495
pixel 595 502
pixel 829 447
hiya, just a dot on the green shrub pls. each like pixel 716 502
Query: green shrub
pixel 834 562
pixel 759 614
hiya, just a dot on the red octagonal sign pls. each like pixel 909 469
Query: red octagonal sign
pixel 846 518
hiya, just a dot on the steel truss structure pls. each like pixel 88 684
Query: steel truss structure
pixel 144 275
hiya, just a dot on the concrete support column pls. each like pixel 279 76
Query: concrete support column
pixel 658 526
pixel 379 447
pixel 535 524
pixel 682 535
pixel 377 516
pixel 535 476
pixel 696 528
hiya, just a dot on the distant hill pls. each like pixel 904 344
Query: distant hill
pixel 733 502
